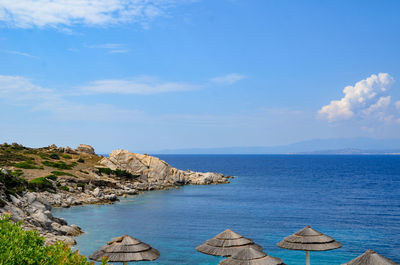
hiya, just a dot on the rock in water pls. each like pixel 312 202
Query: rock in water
pixel 158 171
pixel 84 148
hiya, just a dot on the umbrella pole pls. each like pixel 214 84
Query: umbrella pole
pixel 308 257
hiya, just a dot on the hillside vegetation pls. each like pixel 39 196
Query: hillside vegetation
pixel 27 247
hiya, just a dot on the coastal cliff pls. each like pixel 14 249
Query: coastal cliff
pixel 33 180
pixel 154 171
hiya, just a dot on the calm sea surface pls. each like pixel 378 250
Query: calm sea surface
pixel 355 199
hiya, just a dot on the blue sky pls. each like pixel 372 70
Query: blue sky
pixel 158 74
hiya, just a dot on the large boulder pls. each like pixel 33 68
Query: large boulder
pixel 69 150
pixel 157 171
pixel 97 192
pixel 84 148
pixel 70 230
pixel 110 197
pixel 42 218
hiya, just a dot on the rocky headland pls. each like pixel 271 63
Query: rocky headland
pixel 33 180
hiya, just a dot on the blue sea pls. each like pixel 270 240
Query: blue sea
pixel 354 199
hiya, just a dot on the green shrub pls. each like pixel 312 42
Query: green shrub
pixel 81 160
pixel 54 156
pixel 66 156
pixel 27 247
pixel 9 155
pixel 58 164
pixel 17 173
pixel 124 174
pixel 30 151
pixel 83 171
pixel 29 164
pixel 119 173
pixel 64 188
pixel 44 156
pixel 41 184
pixel 52 177
pixel 13 184
pixel 81 185
pixel 104 170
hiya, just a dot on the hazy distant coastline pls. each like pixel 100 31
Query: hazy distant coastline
pixel 340 146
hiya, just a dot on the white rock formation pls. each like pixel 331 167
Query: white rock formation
pixel 34 210
pixel 155 171
pixel 84 148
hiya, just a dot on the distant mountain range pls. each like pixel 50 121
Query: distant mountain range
pixel 315 146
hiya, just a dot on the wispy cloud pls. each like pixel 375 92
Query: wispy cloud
pixel 104 46
pixel 54 13
pixel 228 79
pixel 146 85
pixel 110 47
pixel 20 54
pixel 141 85
pixel 19 88
pixel 21 91
pixel 73 50
pixel 367 99
pixel 119 51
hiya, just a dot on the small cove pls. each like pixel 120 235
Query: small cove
pixel 355 199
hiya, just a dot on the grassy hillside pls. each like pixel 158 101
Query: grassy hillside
pixel 32 163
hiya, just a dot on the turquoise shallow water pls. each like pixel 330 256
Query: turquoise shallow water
pixel 355 199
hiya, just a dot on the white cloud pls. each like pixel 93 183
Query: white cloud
pixel 382 104
pixel 20 91
pixel 73 50
pixel 111 47
pixel 19 88
pixel 398 105
pixel 104 46
pixel 228 79
pixel 42 13
pixel 143 86
pixel 119 51
pixel 367 98
pixel 19 53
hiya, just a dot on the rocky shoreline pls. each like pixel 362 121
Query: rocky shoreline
pixel 122 173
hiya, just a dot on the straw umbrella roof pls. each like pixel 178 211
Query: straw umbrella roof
pixel 226 244
pixel 309 239
pixel 251 256
pixel 125 249
pixel 370 257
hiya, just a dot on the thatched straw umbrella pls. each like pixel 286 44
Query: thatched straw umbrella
pixel 251 256
pixel 309 239
pixel 370 257
pixel 125 249
pixel 226 244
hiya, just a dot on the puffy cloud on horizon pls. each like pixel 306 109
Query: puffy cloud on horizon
pixel 367 98
pixel 41 13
